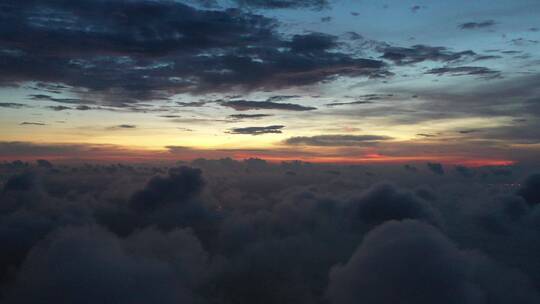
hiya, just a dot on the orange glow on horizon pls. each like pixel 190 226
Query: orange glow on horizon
pixel 141 155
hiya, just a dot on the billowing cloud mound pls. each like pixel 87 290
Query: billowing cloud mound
pixel 412 262
pixel 91 265
pixel 530 190
pixel 20 182
pixel 436 168
pixel 253 231
pixel 180 185
pixel 385 202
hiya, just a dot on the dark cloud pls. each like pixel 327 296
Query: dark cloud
pixel 60 100
pixel 59 108
pixel 477 25
pixel 416 8
pixel 285 4
pixel 170 116
pixel 31 123
pixel 412 262
pixel 501 171
pixel 419 53
pixel 465 70
pixel 281 97
pixel 312 233
pixel 124 126
pixel 332 104
pixel 244 105
pixel 363 99
pixel 12 105
pixel 530 190
pixel 410 168
pixel 467 131
pixel 148 266
pixel 248 116
pixel 257 130
pixel 464 171
pixel 88 50
pixel 83 108
pixel 26 149
pixel 522 41
pixel 436 168
pixel 44 163
pixel 180 185
pixel 385 202
pixel 336 140
pixel 192 104
pixel 486 57
pixel 21 182
pixel 313 43
pixel 425 135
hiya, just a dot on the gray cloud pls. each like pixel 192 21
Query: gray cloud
pixel 182 49
pixel 58 108
pixel 244 105
pixel 257 130
pixel 465 70
pixel 285 4
pixel 122 126
pixel 477 25
pixel 12 105
pixel 249 116
pixel 32 123
pixel 436 168
pixel 336 140
pixel 419 53
pixel 412 262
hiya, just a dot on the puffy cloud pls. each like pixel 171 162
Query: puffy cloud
pixel 530 190
pixel 464 171
pixel 501 214
pixel 384 202
pixel 177 187
pixel 44 163
pixel 89 264
pixel 413 262
pixel 21 182
pixel 410 168
pixel 436 168
pixel 164 234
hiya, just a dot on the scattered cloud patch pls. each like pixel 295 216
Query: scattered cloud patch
pixel 257 130
pixel 336 140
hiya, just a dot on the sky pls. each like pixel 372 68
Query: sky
pixel 321 81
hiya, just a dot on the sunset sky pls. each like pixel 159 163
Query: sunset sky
pixel 315 80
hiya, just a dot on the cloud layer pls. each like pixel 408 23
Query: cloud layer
pixel 121 233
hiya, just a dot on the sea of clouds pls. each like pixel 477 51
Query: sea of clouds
pixel 225 231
